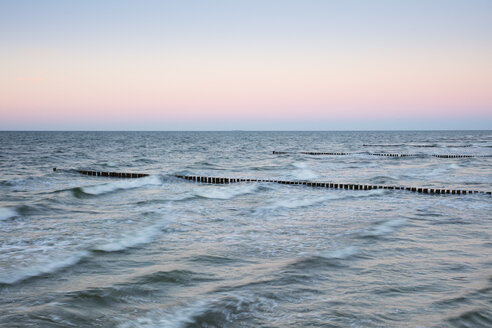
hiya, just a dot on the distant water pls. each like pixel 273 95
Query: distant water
pixel 80 251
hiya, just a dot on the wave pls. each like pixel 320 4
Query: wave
pixel 7 213
pixel 444 169
pixel 35 209
pixel 43 267
pixel 50 266
pixel 432 145
pixel 459 146
pixel 215 260
pixel 472 318
pixel 132 289
pixel 226 192
pixel 106 164
pixel 176 317
pixel 383 145
pixel 302 172
pixel 382 179
pixel 297 202
pixel 366 193
pixel 109 187
pixel 225 310
pixel 146 161
pixel 130 240
pixel 472 312
pixel 24 181
pixel 333 258
pixel 229 309
pixel 7 183
pixel 181 277
pixel 264 168
pixel 382 228
pixel 424 146
pixel 340 254
pixel 171 197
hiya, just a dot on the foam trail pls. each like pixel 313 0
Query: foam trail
pixel 7 213
pixel 40 268
pixel 227 192
pixel 121 184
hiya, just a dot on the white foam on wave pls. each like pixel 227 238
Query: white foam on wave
pixel 178 317
pixel 126 241
pixel 365 193
pixel 303 172
pixel 383 228
pixel 226 192
pixel 122 184
pixel 340 254
pixel 231 305
pixel 7 213
pixel 42 267
pixel 297 202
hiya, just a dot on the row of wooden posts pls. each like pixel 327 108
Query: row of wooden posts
pixel 114 174
pixel 399 145
pixel 347 186
pixel 377 154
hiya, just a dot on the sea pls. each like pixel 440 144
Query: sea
pixel 160 251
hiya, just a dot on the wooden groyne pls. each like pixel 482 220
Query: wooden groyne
pixel 115 174
pixel 379 154
pixel 328 185
pixel 109 174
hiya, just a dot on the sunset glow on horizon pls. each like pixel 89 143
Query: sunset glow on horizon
pixel 184 65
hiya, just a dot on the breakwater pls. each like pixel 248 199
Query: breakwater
pixel 377 154
pixel 329 185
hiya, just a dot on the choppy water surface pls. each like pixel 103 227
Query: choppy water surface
pixel 79 251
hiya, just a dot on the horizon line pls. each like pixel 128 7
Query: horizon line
pixel 246 130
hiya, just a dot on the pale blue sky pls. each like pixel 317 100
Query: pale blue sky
pixel 47 41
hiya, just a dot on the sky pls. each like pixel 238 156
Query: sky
pixel 245 64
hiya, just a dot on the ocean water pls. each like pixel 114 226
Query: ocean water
pixel 159 251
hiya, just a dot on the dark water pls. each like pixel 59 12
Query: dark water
pixel 79 251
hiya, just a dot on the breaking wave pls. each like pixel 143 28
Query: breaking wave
pixel 226 192
pixel 130 240
pixel 109 187
pixel 7 213
pixel 42 268
pixel 302 172
pixel 225 310
pixel 58 263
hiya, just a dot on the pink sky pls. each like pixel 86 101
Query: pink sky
pixel 213 77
